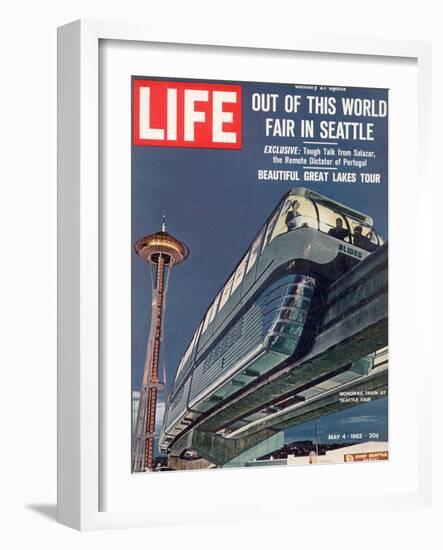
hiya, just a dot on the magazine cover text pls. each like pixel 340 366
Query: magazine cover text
pixel 259 274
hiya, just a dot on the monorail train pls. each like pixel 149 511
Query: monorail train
pixel 267 310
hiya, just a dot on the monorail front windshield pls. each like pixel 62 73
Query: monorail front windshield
pixel 298 211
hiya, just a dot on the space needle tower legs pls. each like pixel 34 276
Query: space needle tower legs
pixel 162 251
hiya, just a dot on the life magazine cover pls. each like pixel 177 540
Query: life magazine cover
pixel 259 274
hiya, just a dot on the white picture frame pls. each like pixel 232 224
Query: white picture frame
pixel 79 257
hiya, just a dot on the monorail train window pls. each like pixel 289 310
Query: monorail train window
pixel 333 223
pixel 239 273
pixel 209 317
pixel 293 329
pixel 296 212
pixel 226 292
pixel 291 300
pixel 363 236
pixel 192 344
pixel 182 362
pixel 294 314
pixel 295 301
pixel 289 314
pixel 187 353
pixel 270 229
pixel 211 312
pixel 303 290
pixel 254 250
pixel 206 321
pixel 197 334
pixel 214 307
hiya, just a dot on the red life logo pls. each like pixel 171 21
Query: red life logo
pixel 187 114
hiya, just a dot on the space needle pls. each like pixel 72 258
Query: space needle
pixel 162 251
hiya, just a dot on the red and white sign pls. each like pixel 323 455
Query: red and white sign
pixel 187 114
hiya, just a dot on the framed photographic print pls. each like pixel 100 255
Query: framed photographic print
pixel 288 364
pixel 227 318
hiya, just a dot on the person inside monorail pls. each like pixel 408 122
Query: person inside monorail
pixel 363 241
pixel 339 232
pixel 291 216
pixel 359 239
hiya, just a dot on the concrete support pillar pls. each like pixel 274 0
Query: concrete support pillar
pixel 228 453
